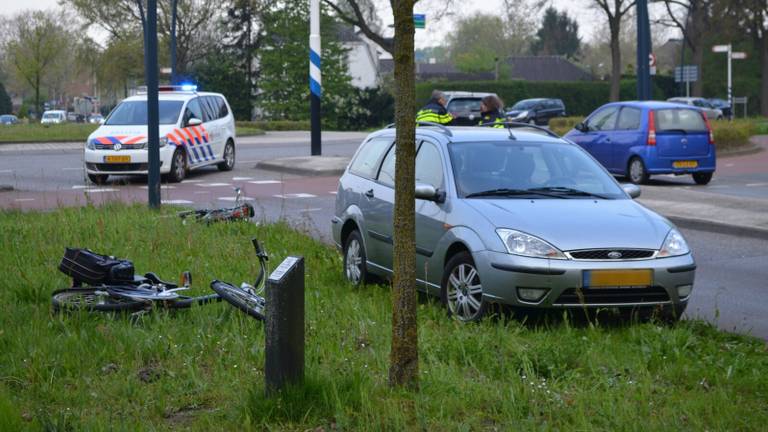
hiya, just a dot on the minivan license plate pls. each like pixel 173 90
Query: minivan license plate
pixel 117 159
pixel 685 164
pixel 617 278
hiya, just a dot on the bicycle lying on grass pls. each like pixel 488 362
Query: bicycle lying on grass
pixel 239 211
pixel 114 292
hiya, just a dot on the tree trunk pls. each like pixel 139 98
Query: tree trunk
pixel 763 75
pixel 404 357
pixel 615 26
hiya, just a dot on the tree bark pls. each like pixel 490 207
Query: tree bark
pixel 404 357
pixel 615 27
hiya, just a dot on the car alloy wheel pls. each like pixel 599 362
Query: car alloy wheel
pixel 637 172
pixel 178 167
pixel 462 290
pixel 229 157
pixel 354 259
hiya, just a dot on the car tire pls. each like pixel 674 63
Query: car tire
pixel 461 290
pixel 355 269
pixel 702 178
pixel 636 171
pixel 229 157
pixel 98 179
pixel 178 166
pixel 672 313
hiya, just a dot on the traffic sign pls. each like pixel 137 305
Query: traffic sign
pixel 419 21
pixel 652 63
pixel 721 48
pixel 739 55
pixel 689 73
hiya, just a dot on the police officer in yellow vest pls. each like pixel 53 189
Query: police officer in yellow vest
pixel 490 112
pixel 434 111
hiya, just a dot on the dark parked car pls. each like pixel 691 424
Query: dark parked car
pixel 8 119
pixel 536 111
pixel 465 107
pixel 722 105
pixel 638 139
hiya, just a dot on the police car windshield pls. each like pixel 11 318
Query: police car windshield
pixel 135 113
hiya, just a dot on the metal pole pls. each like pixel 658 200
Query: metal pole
pixel 730 83
pixel 174 3
pixel 687 87
pixel 643 51
pixel 315 81
pixel 150 72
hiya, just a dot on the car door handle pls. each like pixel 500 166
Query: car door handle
pixel 607 140
pixel 369 193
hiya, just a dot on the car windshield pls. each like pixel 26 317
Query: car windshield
pixel 679 119
pixel 135 113
pixel 514 169
pixel 525 105
pixel 51 116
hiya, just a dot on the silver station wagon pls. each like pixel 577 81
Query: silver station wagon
pixel 515 216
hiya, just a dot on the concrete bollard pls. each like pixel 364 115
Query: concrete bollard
pixel 284 347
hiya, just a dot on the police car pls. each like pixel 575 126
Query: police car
pixel 197 129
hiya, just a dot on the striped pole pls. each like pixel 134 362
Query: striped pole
pixel 315 82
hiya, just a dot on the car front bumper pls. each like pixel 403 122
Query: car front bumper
pixel 503 275
pixel 96 161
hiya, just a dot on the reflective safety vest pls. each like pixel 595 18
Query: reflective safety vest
pixel 492 117
pixel 435 113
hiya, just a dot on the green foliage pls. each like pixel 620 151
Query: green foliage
pixel 69 132
pixel 220 73
pixel 6 107
pixel 88 372
pixel 732 134
pixel 284 81
pixel 276 125
pixel 558 35
pixel 580 97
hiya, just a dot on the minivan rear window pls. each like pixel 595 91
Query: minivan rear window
pixel 461 105
pixel 679 119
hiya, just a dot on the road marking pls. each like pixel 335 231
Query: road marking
pixel 73 169
pixel 295 195
pixel 6 171
pixel 214 184
pixel 728 165
pixel 261 182
pixel 241 178
pixel 314 209
pixel 24 199
pixel 191 181
pixel 235 198
pixel 99 190
pixel 176 202
pixel 79 187
pixel 333 192
pixel 201 192
pixel 756 184
pixel 161 187
pixel 719 186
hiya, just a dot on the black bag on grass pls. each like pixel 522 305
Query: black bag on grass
pixel 84 265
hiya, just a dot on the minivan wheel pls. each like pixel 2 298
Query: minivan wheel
pixel 702 178
pixel 178 167
pixel 461 290
pixel 98 179
pixel 355 269
pixel 229 157
pixel 636 172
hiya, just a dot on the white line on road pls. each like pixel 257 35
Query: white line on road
pixel 201 192
pixel 79 187
pixel 309 210
pixel 191 181
pixel 6 171
pixel 235 198
pixel 176 202
pixel 24 199
pixel 214 184
pixel 161 187
pixel 730 165
pixel 295 195
pixel 99 190
pixel 333 192
pixel 756 184
pixel 262 182
pixel 241 178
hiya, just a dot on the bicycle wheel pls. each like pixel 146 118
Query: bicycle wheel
pixel 72 299
pixel 251 304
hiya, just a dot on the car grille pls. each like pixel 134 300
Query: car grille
pixel 136 146
pixel 112 167
pixel 609 296
pixel 612 254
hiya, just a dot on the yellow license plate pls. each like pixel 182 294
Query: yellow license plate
pixel 117 159
pixel 617 278
pixel 685 164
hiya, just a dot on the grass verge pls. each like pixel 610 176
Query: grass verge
pixel 202 369
pixel 71 132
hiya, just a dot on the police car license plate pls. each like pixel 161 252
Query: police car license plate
pixel 117 159
pixel 617 278
pixel 685 164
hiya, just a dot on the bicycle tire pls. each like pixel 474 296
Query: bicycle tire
pixel 184 302
pixel 74 299
pixel 248 303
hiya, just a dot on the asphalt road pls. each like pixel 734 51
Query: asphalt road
pixel 730 288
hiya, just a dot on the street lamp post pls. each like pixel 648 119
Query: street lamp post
pixel 728 49
pixel 643 51
pixel 153 120
pixel 315 81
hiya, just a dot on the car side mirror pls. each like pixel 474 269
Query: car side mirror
pixel 581 127
pixel 632 190
pixel 430 193
pixel 194 121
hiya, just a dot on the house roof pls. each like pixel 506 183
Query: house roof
pixel 546 68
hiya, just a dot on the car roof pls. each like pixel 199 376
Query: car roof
pixel 650 104
pixel 459 134
pixel 465 94
pixel 172 95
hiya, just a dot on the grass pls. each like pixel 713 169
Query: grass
pixel 69 132
pixel 202 369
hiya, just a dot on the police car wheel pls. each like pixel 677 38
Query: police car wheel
pixel 229 157
pixel 98 179
pixel 178 167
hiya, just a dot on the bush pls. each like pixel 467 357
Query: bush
pixel 733 134
pixel 561 125
pixel 275 125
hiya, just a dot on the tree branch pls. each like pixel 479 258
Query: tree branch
pixel 359 21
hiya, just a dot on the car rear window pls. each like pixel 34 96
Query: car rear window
pixel 464 105
pixel 679 119
pixel 135 113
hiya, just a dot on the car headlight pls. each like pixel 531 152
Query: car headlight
pixel 674 245
pixel 163 141
pixel 90 144
pixel 519 243
pixel 522 114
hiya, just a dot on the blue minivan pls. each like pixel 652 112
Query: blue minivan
pixel 640 139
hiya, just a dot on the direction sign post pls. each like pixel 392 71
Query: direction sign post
pixel 728 49
pixel 687 74
pixel 419 21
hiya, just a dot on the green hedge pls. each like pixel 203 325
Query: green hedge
pixel 580 97
pixel 276 125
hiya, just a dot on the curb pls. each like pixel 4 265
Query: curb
pixel 6 188
pixel 741 152
pixel 297 169
pixel 719 227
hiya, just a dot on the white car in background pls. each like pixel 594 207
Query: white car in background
pixel 197 129
pixel 54 117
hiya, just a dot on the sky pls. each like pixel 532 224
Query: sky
pixel 589 20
